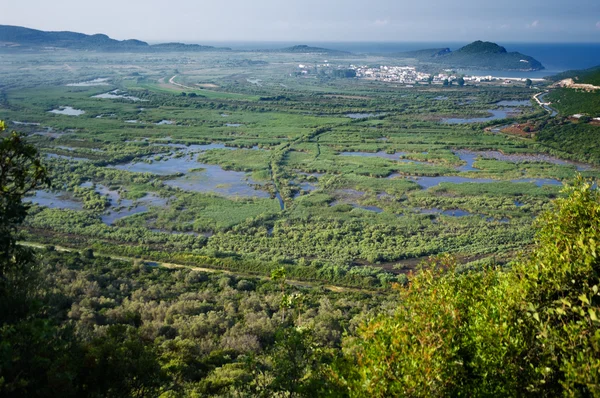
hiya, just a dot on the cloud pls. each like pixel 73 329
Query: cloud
pixel 533 25
pixel 598 25
pixel 505 26
pixel 381 22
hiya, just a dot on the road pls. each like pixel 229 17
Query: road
pixel 173 82
pixel 291 282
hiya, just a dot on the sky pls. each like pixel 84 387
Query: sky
pixel 197 21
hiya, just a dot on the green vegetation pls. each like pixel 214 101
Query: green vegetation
pixel 570 101
pixel 531 328
pixel 238 227
pixel 80 324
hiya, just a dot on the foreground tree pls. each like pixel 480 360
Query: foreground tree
pixel 39 357
pixel 21 172
pixel 532 329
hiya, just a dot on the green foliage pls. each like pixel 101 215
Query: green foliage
pixel 582 140
pixel 531 328
pixel 569 101
pixel 21 171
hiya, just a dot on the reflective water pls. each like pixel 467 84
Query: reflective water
pixel 470 156
pixel 118 94
pixel 199 177
pixel 74 158
pixel 428 182
pixel 450 212
pixel 103 81
pixel 496 114
pixel 54 200
pixel 361 115
pixel 68 111
pixel 514 103
pixel 25 123
pixel 369 208
pixel 540 181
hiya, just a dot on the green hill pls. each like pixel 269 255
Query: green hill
pixel 477 55
pixel 584 76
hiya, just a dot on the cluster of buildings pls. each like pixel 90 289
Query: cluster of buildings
pixel 409 74
pixel 395 74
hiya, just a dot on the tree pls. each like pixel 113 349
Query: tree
pixel 446 82
pixel 528 83
pixel 461 81
pixel 21 172
pixel 531 329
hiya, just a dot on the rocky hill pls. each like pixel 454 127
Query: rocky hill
pixel 477 55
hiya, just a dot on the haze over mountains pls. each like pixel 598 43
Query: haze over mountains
pixel 479 54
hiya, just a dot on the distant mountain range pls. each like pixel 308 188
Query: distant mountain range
pixel 303 49
pixel 477 55
pixel 20 38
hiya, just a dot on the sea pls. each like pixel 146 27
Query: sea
pixel 556 57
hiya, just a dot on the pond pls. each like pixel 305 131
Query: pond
pixel 223 182
pixel 126 207
pixel 540 181
pixel 470 156
pixel 118 94
pixel 428 182
pixel 54 200
pixel 233 124
pixel 305 187
pixel 514 103
pixel 67 110
pixel 258 82
pixel 25 123
pixel 120 207
pixel 165 122
pixel 496 114
pixel 369 208
pixel 102 81
pixel 72 158
pixel 450 212
pixel 199 177
pixel 362 115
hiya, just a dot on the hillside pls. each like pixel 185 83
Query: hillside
pixel 304 49
pixel 585 76
pixel 20 38
pixel 479 55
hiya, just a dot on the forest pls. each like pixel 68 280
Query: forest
pixel 202 224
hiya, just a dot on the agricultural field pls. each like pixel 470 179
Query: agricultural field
pixel 236 161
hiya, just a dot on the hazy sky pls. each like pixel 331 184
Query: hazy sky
pixel 315 20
